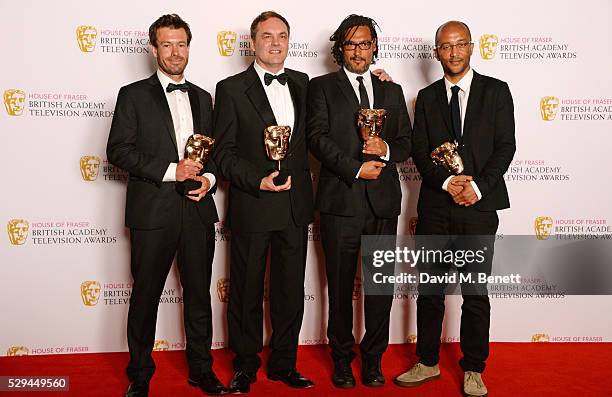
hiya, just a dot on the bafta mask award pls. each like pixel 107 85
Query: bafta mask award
pixel 197 148
pixel 276 141
pixel 370 123
pixel 447 155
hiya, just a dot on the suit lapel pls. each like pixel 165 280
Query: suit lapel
pixel 296 98
pixel 159 97
pixel 379 98
pixel 474 105
pixel 442 99
pixel 256 94
pixel 347 90
pixel 194 102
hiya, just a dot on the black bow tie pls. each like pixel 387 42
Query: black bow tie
pixel 282 78
pixel 183 87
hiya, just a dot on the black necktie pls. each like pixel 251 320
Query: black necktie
pixel 364 102
pixel 456 112
pixel 282 78
pixel 183 87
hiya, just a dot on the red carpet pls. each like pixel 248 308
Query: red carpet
pixel 513 369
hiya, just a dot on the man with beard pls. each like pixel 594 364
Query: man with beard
pixel 477 113
pixel 356 196
pixel 153 120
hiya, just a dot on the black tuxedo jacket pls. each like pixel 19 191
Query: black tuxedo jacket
pixel 334 139
pixel 142 142
pixel 488 143
pixel 242 112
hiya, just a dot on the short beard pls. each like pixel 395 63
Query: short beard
pixel 350 68
pixel 170 72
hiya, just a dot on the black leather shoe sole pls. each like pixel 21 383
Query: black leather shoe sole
pixel 305 384
pixel 195 383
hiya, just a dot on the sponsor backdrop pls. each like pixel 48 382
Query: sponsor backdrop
pixel 65 277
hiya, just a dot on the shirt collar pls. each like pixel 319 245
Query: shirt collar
pixel 367 78
pixel 464 83
pixel 165 80
pixel 261 72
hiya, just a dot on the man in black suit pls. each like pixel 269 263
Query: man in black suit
pixel 265 214
pixel 152 121
pixel 355 196
pixel 477 112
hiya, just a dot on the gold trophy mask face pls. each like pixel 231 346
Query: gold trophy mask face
pixel 90 166
pixel 370 122
pixel 488 46
pixel 223 286
pixel 90 292
pixel 161 346
pixel 276 140
pixel 18 231
pixel 16 351
pixel 14 102
pixel 447 155
pixel 548 108
pixel 198 148
pixel 540 338
pixel 543 227
pixel 226 42
pixel 86 37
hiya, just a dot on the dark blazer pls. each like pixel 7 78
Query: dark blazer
pixel 142 142
pixel 242 112
pixel 334 139
pixel 488 141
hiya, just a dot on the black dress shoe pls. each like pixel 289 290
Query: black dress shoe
pixel 209 383
pixel 371 374
pixel 138 389
pixel 343 374
pixel 291 378
pixel 241 382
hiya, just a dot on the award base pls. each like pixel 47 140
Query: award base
pixel 282 176
pixel 183 188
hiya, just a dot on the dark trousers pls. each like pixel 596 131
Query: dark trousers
pixel 152 253
pixel 341 237
pixel 476 309
pixel 249 253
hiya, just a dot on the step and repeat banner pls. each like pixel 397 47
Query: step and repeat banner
pixel 65 282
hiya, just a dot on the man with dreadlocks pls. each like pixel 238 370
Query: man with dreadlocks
pixel 356 197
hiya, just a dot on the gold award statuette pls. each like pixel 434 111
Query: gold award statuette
pixel 197 148
pixel 446 155
pixel 370 123
pixel 276 141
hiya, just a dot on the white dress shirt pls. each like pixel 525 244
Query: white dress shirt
pixel 367 82
pixel 279 98
pixel 180 109
pixel 464 93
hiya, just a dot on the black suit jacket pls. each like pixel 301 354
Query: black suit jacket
pixel 242 112
pixel 142 141
pixel 488 143
pixel 334 139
